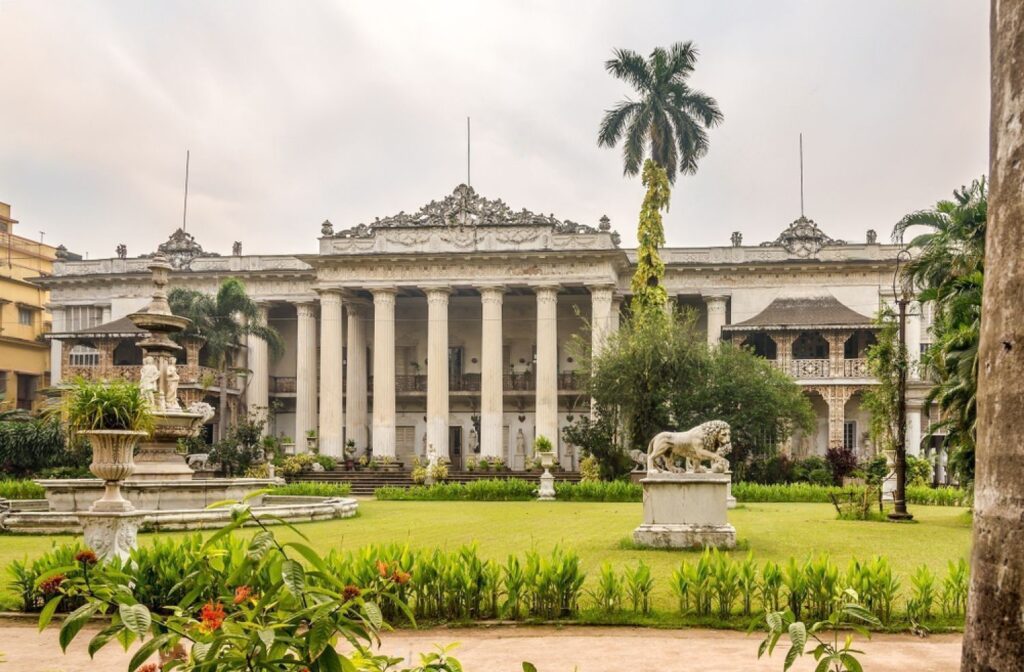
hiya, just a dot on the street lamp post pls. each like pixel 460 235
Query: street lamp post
pixel 903 297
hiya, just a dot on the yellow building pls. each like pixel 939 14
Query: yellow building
pixel 24 354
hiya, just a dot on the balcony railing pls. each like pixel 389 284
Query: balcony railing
pixel 282 385
pixel 191 376
pixel 822 368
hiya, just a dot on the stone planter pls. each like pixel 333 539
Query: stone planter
pixel 113 460
pixel 547 481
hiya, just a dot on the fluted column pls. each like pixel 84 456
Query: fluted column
pixel 437 372
pixel 56 346
pixel 355 395
pixel 258 391
pixel 716 318
pixel 616 313
pixel 331 367
pixel 600 317
pixel 305 373
pixel 547 364
pixel 913 438
pixel 491 392
pixel 384 372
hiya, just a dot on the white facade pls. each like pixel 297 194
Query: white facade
pixel 452 330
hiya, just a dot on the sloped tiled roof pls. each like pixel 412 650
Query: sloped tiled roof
pixel 796 312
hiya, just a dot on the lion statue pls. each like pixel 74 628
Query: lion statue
pixel 709 441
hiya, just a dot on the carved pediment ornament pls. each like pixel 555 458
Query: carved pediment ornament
pixel 465 208
pixel 803 239
pixel 180 249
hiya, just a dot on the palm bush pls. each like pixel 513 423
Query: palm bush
pixel 29 447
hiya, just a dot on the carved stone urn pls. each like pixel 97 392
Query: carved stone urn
pixel 113 461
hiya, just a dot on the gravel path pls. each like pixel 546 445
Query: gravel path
pixel 551 649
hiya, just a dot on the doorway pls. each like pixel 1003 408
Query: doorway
pixel 455 447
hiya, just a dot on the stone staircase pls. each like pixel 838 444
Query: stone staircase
pixel 365 481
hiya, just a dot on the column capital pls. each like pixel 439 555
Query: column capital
pixel 603 289
pixel 386 290
pixel 492 293
pixel 305 309
pixel 332 294
pixel 437 294
pixel 715 297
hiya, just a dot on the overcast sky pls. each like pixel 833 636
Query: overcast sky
pixel 299 111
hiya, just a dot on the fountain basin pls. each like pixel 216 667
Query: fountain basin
pixel 71 495
pixel 289 509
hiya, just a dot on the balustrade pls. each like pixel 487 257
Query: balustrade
pixel 821 368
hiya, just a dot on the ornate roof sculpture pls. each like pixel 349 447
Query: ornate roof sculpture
pixel 464 207
pixel 803 238
pixel 180 249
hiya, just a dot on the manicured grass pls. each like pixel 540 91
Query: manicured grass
pixel 595 530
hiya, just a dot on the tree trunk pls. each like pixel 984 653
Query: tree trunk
pixel 994 634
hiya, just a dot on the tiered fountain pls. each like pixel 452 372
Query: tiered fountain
pixel 160 489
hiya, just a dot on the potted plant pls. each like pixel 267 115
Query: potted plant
pixel 543 449
pixel 311 440
pixel 113 417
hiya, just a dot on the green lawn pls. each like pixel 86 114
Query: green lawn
pixel 596 530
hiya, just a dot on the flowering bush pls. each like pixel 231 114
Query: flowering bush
pixel 260 605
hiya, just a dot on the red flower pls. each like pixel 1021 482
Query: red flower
pixel 149 667
pixel 52 584
pixel 382 567
pixel 242 593
pixel 351 592
pixel 86 556
pixel 400 577
pixel 211 617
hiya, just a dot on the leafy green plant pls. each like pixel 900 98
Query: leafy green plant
pixel 542 444
pixel 11 489
pixel 922 601
pixel 300 489
pixel 31 446
pixel 846 612
pixel 954 588
pixel 608 593
pixel 639 586
pixel 116 405
pixel 255 607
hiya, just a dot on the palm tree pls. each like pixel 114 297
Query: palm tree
pixel 994 630
pixel 949 269
pixel 669 119
pixel 223 321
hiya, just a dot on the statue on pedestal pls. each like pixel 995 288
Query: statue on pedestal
pixel 707 442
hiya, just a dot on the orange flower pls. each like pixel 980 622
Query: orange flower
pixel 351 592
pixel 400 577
pixel 382 567
pixel 242 593
pixel 211 617
pixel 86 556
pixel 52 584
pixel 149 667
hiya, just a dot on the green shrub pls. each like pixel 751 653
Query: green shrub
pixel 811 493
pixel 313 490
pixel 495 490
pixel 327 462
pixel 919 471
pixel 28 447
pixel 10 489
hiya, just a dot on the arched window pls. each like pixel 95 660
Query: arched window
pixel 127 354
pixel 762 345
pixel 84 354
pixel 856 346
pixel 810 345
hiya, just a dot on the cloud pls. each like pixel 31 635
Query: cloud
pixel 297 112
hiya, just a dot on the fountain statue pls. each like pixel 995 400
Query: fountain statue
pixel 158 457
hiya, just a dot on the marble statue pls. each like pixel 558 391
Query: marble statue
pixel 203 409
pixel 149 381
pixel 171 379
pixel 198 461
pixel 707 442
pixel 520 442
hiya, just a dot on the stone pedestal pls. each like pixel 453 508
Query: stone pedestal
pixel 111 535
pixel 157 458
pixel 730 501
pixel 685 511
pixel 547 487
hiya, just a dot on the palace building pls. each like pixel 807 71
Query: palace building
pixel 449 329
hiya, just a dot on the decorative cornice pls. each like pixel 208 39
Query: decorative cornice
pixel 180 249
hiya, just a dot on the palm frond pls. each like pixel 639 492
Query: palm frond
pixel 614 123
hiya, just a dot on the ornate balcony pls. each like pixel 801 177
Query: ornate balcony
pixel 191 376
pixel 282 384
pixel 803 369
